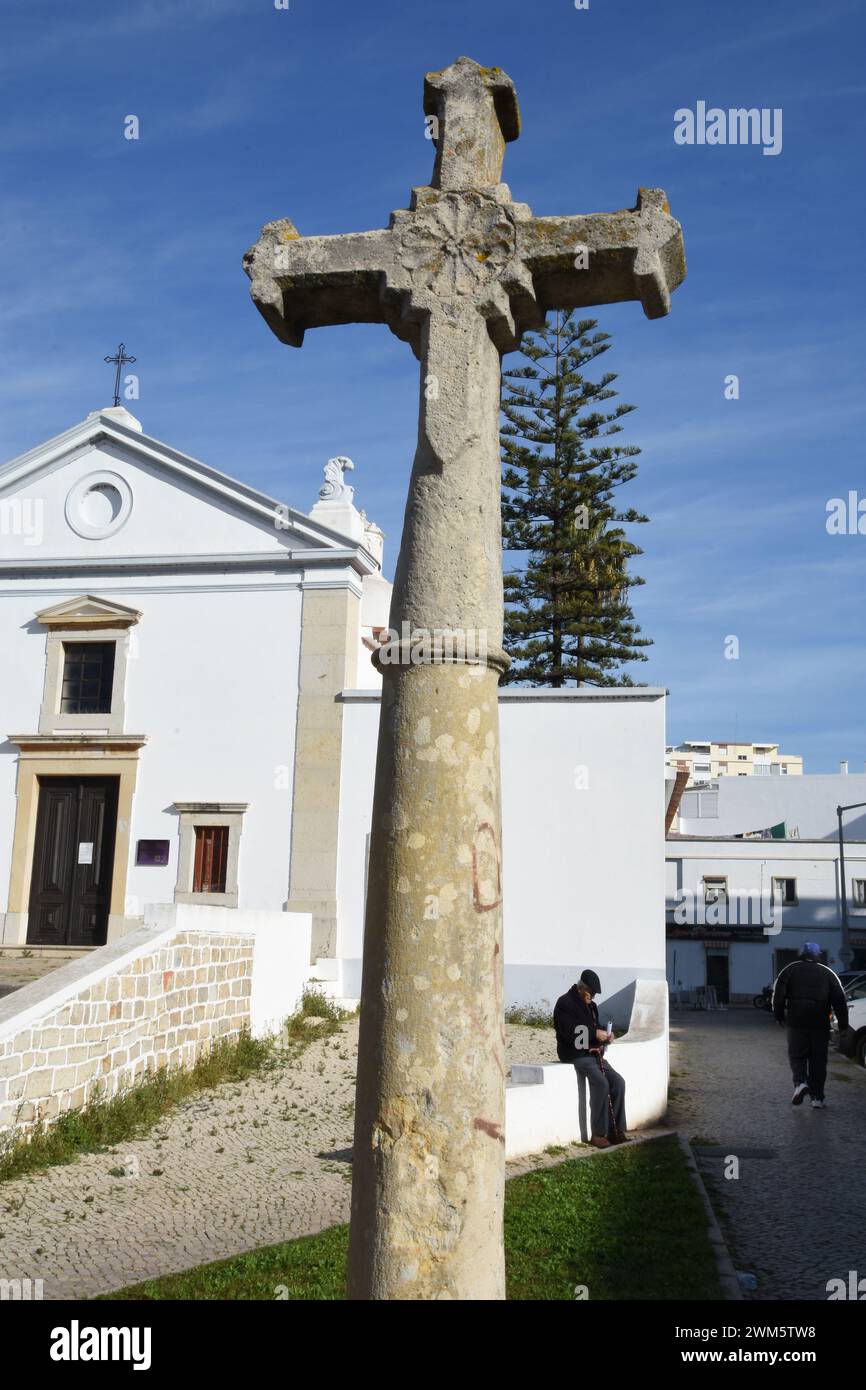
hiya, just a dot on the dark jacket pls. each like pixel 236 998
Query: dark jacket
pixel 804 994
pixel 570 1014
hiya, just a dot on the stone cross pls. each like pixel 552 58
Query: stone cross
pixel 460 276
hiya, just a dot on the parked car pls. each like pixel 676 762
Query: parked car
pixel 851 977
pixel 856 996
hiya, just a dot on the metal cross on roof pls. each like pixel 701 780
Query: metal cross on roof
pixel 119 360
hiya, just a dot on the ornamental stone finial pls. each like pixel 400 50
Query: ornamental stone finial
pixel 335 488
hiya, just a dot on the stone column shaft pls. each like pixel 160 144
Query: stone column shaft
pixel 429 1156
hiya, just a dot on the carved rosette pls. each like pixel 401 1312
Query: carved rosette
pixel 458 244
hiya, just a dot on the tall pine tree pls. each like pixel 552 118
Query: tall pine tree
pixel 568 616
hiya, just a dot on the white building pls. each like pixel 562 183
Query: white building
pixel 763 854
pixel 171 644
pixel 738 911
pixel 189 716
pixel 805 806
pixel 582 828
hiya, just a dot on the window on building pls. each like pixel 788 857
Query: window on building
pixel 785 891
pixel 859 892
pixel 699 805
pixel 211 858
pixel 715 890
pixel 88 677
pixel 208 856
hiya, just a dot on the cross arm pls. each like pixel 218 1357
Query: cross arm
pixel 311 282
pixel 607 257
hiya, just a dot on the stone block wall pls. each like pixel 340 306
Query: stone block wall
pixel 160 1005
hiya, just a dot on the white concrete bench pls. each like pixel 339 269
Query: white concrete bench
pixel 544 1104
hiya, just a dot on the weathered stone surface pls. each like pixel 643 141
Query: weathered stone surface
pixel 460 276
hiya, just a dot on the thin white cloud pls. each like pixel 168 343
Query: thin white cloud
pixel 92 24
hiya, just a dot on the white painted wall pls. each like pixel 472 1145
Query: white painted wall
pixel 212 679
pixel 583 870
pixel 807 803
pixel 213 684
pixel 221 729
pixel 750 866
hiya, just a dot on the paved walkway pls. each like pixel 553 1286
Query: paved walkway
pixel 234 1168
pixel 23 965
pixel 796 1215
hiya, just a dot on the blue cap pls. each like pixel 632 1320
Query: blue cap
pixel 811 948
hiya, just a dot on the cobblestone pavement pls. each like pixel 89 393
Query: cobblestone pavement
pixel 240 1166
pixel 796 1215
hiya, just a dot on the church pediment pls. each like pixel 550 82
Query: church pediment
pixel 103 489
pixel 88 612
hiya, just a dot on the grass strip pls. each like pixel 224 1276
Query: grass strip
pixel 133 1112
pixel 623 1225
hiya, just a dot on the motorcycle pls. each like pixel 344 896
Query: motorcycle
pixel 764 1000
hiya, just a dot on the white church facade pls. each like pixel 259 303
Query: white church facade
pixel 171 642
pixel 189 717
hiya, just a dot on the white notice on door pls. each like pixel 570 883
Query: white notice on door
pixel 85 852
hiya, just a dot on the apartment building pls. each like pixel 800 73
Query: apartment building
pixel 708 760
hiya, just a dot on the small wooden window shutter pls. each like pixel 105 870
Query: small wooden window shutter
pixel 211 858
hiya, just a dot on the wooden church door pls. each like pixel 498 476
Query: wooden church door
pixel 73 859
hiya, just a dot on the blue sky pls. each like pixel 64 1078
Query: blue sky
pixel 248 113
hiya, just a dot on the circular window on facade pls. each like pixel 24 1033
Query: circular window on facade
pixel 99 505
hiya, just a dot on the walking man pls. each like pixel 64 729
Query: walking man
pixel 581 1041
pixel 803 996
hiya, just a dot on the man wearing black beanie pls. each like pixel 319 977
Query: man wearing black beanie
pixel 581 1041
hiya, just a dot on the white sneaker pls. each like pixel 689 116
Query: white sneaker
pixel 819 1105
pixel 799 1092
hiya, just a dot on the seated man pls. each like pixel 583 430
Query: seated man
pixel 581 1041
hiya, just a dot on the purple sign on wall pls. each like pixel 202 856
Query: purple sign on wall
pixel 152 852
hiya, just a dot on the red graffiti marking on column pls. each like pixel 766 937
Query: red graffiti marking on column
pixel 494 1130
pixel 485 844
